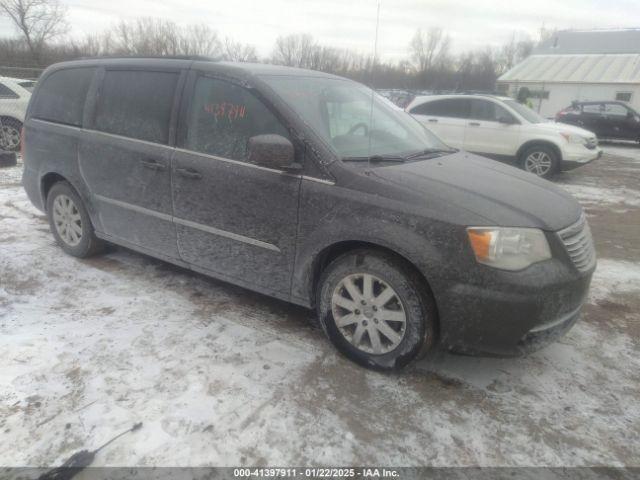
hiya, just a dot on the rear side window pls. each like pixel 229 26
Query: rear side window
pixel 224 116
pixel 597 108
pixel 488 111
pixel 137 104
pixel 6 92
pixel 450 107
pixel 61 96
pixel 28 85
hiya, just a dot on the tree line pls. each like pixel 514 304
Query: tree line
pixel 42 29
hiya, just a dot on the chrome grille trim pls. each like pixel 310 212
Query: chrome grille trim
pixel 578 243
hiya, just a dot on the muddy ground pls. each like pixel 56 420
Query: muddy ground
pixel 223 376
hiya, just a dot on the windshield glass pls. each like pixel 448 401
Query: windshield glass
pixel 353 119
pixel 525 112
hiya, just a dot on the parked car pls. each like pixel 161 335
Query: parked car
pixel 14 98
pixel 608 120
pixel 503 129
pixel 401 98
pixel 309 188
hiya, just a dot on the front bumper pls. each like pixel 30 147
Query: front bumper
pixel 578 155
pixel 512 313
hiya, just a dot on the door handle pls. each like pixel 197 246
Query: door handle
pixel 433 120
pixel 189 173
pixel 474 124
pixel 153 164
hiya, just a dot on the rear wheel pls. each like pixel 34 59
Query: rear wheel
pixel 375 310
pixel 10 134
pixel 70 222
pixel 540 160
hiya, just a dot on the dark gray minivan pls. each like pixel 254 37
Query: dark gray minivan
pixel 312 189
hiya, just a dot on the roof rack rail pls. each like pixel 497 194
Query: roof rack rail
pixel 153 57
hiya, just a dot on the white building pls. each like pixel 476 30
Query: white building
pixel 579 65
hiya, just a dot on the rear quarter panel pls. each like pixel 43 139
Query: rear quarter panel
pixel 50 148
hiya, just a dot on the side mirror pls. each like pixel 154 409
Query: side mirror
pixel 507 120
pixel 272 151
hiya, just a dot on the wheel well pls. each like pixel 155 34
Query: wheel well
pixel 326 256
pixel 4 119
pixel 534 143
pixel 48 181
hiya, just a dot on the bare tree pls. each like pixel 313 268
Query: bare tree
pixel 200 40
pixel 39 21
pixel 294 50
pixel 429 49
pixel 513 52
pixel 238 52
pixel 152 36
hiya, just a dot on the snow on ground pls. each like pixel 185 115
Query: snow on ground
pixel 614 276
pixel 627 150
pixel 621 197
pixel 222 376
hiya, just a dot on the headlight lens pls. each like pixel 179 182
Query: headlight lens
pixel 573 138
pixel 508 248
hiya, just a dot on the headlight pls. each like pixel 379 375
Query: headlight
pixel 573 138
pixel 508 248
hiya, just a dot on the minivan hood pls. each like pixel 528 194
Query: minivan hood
pixel 498 194
pixel 563 128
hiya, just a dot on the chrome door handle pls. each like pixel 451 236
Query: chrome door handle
pixel 189 173
pixel 474 124
pixel 153 164
pixel 433 120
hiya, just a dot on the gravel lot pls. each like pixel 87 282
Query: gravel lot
pixel 223 376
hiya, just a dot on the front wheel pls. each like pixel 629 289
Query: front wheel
pixel 540 160
pixel 70 222
pixel 375 310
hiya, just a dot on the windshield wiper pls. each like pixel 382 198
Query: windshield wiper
pixel 430 151
pixel 376 159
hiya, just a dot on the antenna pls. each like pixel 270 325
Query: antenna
pixel 373 68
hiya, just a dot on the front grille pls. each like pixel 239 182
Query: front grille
pixel 579 244
pixel 592 143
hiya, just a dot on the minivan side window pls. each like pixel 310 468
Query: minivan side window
pixel 450 107
pixel 222 118
pixel 61 96
pixel 136 104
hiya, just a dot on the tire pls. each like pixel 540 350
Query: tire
pixel 10 134
pixel 540 160
pixel 350 325
pixel 65 209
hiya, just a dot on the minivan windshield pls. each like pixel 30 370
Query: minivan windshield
pixel 525 112
pixel 354 120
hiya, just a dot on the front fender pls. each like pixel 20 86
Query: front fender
pixel 331 216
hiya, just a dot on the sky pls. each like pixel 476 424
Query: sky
pixel 471 24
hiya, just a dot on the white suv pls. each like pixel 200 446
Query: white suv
pixel 14 98
pixel 503 129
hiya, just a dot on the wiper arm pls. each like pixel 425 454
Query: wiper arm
pixel 430 151
pixel 376 159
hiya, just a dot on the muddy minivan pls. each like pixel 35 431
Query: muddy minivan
pixel 310 188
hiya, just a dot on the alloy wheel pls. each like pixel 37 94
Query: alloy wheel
pixel 67 220
pixel 538 163
pixel 9 138
pixel 369 313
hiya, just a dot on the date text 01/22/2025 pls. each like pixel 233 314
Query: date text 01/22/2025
pixel 315 473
